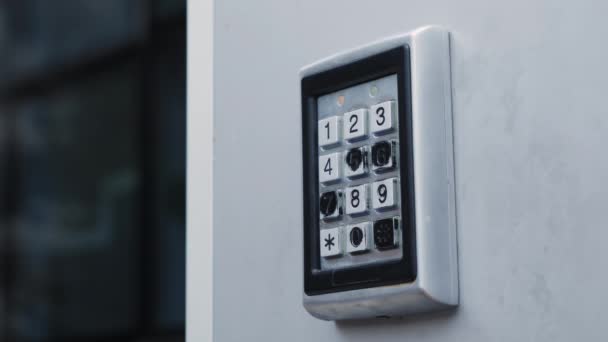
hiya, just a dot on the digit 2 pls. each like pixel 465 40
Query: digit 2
pixel 352 127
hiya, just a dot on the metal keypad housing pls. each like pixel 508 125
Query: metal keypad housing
pixel 397 254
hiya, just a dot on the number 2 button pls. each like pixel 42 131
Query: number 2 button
pixel 329 131
pixel 382 117
pixel 355 124
pixel 329 167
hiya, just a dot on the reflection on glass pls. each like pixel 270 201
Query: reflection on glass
pixel 92 170
pixel 77 219
pixel 170 183
pixel 38 34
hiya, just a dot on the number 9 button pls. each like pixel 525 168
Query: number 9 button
pixel 384 193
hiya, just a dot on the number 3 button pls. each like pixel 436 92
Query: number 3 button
pixel 356 199
pixel 384 193
pixel 382 117
pixel 329 167
pixel 355 124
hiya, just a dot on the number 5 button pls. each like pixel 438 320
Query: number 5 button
pixel 329 167
pixel 384 193
pixel 355 124
pixel 381 118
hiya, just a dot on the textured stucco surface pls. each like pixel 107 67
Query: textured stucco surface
pixel 530 131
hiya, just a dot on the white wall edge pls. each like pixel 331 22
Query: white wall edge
pixel 199 252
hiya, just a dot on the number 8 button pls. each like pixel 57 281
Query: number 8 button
pixel 356 199
pixel 381 118
pixel 355 126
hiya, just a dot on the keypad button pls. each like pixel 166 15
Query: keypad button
pixel 329 131
pixel 330 204
pixel 384 156
pixel 330 166
pixel 356 199
pixel 382 117
pixel 356 237
pixel 355 124
pixel 384 194
pixel 330 243
pixel 355 162
pixel 385 233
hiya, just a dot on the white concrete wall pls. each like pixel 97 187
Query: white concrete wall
pixel 531 130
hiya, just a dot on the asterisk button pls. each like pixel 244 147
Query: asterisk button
pixel 330 242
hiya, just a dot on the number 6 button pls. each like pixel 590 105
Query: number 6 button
pixel 382 117
pixel 384 193
pixel 355 124
pixel 356 199
pixel 329 167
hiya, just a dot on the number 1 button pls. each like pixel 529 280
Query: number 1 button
pixel 355 124
pixel 329 167
pixel 329 131
pixel 382 117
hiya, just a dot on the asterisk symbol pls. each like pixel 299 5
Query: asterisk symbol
pixel 329 241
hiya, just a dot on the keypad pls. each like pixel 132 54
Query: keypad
pixel 359 179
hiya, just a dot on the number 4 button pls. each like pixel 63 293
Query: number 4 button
pixel 355 126
pixel 329 167
pixel 382 117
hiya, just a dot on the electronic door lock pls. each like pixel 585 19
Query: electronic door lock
pixel 379 198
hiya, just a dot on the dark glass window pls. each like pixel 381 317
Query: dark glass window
pixel 92 170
